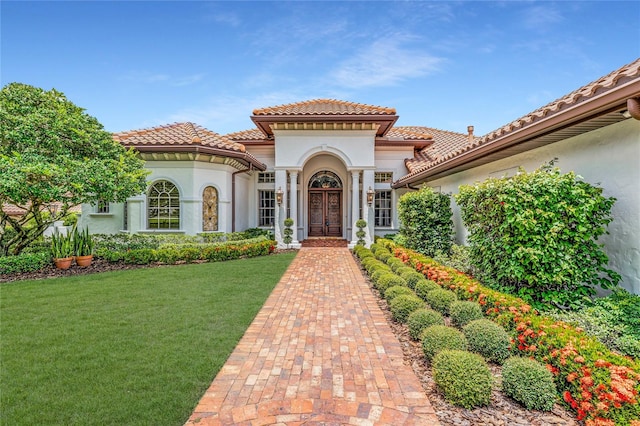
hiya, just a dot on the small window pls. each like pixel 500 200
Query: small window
pixel 266 177
pixel 266 208
pixel 383 177
pixel 102 207
pixel 125 216
pixel 383 209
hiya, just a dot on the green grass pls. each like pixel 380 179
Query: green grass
pixel 135 347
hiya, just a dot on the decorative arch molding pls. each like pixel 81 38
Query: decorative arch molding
pixel 325 179
pixel 325 149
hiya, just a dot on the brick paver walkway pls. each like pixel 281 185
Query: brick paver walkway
pixel 319 352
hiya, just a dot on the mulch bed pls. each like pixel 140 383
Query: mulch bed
pixel 503 410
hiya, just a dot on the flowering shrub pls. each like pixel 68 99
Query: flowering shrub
pixel 601 386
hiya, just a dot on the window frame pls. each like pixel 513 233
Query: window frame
pixel 170 204
pixel 379 220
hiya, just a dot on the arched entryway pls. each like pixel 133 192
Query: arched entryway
pixel 325 205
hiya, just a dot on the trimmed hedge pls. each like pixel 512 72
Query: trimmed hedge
pixel 440 300
pixel 463 312
pixel 403 305
pixel 463 377
pixel 488 339
pixel 439 337
pixel 423 287
pixel 389 279
pixel 26 262
pixel 422 318
pixel 395 291
pixel 529 382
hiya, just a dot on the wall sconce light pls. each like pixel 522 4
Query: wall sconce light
pixel 370 194
pixel 279 195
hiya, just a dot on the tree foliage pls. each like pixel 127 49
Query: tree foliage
pixel 536 235
pixel 426 224
pixel 54 156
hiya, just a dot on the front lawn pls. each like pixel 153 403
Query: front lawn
pixel 134 347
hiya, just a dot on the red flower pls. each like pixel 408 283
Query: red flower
pixel 579 359
pixel 571 377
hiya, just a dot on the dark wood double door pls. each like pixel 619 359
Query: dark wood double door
pixel 325 213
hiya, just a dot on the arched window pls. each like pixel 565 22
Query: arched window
pixel 163 206
pixel 325 179
pixel 210 209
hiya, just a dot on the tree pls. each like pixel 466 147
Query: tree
pixel 54 156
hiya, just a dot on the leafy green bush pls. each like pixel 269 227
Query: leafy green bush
pixel 463 377
pixel 395 291
pixel 363 253
pixel 459 258
pixel 424 286
pixel 373 247
pixel 488 339
pixel 389 279
pixel 109 255
pixel 26 262
pixel 438 337
pixel 189 254
pixel 440 300
pixel 383 254
pixel 529 382
pixel 412 277
pixel 168 256
pixel 426 221
pixel 421 319
pixel 287 231
pixel 403 305
pixel 536 235
pixel 142 256
pixel 463 312
pixel 124 242
pixel 395 263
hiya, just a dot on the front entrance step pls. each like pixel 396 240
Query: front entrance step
pixel 325 242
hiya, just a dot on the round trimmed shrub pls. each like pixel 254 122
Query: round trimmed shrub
pixel 424 286
pixel 370 263
pixel 441 300
pixel 529 382
pixel 387 280
pixel 364 253
pixel 463 377
pixel 421 319
pixel 412 277
pixel 395 291
pixel 463 312
pixel 374 247
pixel 395 263
pixel 488 339
pixel 383 254
pixel 403 270
pixel 376 274
pixel 439 337
pixel 403 305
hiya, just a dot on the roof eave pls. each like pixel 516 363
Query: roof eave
pixel 606 102
pixel 384 121
pixel 243 157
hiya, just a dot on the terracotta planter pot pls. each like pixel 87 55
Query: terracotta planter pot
pixel 84 261
pixel 63 262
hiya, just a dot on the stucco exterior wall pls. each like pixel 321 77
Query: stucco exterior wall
pixel 391 159
pixel 609 157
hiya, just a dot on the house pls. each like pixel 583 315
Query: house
pixel 327 163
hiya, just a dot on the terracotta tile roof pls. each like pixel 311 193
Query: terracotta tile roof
pixel 178 134
pixel 13 210
pixel 408 133
pixel 445 142
pixel 325 107
pixel 456 145
pixel 246 135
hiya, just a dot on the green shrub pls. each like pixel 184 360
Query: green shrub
pixel 459 258
pixel 463 377
pixel 411 277
pixel 364 253
pixel 426 221
pixel 383 255
pixel 389 279
pixel 139 256
pixel 395 291
pixel 26 262
pixel 488 339
pixel 529 382
pixel 404 270
pixel 403 305
pixel 375 275
pixel 421 319
pixel 189 254
pixel 424 286
pixel 438 337
pixel 373 247
pixel 168 256
pixel 536 235
pixel 463 312
pixel 395 263
pixel 440 300
pixel 109 255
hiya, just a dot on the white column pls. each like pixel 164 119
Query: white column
pixel 281 210
pixel 355 205
pixel 293 182
pixel 367 210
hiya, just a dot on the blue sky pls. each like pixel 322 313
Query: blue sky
pixel 440 64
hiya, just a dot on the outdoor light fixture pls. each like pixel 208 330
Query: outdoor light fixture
pixel 370 194
pixel 279 194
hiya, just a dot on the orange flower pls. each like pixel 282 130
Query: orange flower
pixel 602 363
pixel 579 359
pixel 599 421
pixel 586 381
pixel 571 377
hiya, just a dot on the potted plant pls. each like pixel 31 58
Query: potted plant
pixel 83 247
pixel 62 250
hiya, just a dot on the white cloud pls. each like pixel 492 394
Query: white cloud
pixel 384 63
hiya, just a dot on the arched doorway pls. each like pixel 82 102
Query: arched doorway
pixel 209 209
pixel 325 205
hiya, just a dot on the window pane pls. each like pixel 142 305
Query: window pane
pixel 266 208
pixel 163 203
pixel 382 212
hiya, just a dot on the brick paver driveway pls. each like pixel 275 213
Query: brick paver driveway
pixel 319 352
